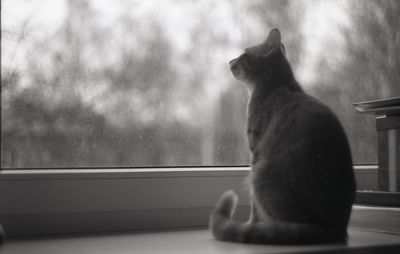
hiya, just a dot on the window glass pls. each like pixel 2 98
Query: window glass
pixel 89 83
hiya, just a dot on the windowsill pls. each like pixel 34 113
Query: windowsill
pixel 194 241
pixel 86 201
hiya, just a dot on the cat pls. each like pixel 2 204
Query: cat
pixel 302 181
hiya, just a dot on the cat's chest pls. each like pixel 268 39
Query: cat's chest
pixel 264 114
pixel 256 127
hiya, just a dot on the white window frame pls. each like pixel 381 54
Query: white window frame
pixel 66 201
pixel 55 201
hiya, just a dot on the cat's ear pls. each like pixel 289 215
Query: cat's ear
pixel 283 49
pixel 274 39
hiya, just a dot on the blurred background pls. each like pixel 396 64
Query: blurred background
pixel 88 83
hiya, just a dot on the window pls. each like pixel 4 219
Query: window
pixel 144 84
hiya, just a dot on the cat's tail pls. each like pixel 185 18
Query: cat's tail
pixel 272 232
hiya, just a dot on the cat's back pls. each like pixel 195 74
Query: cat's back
pixel 308 117
pixel 302 156
pixel 297 114
pixel 291 120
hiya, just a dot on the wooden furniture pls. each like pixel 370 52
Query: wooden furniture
pixel 387 113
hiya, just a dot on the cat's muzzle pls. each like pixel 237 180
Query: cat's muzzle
pixel 233 62
pixel 237 68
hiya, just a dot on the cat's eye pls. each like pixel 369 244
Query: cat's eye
pixel 246 58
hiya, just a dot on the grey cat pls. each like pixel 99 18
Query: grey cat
pixel 302 180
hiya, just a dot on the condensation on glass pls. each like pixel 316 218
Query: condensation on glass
pixel 90 83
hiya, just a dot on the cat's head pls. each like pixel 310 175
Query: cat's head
pixel 263 64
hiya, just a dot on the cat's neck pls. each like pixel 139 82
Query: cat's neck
pixel 263 92
pixel 261 95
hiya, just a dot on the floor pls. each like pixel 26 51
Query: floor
pixel 190 241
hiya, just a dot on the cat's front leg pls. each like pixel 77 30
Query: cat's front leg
pixel 254 216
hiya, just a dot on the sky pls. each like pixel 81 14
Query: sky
pixel 321 26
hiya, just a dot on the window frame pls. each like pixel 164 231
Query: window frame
pixel 70 201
